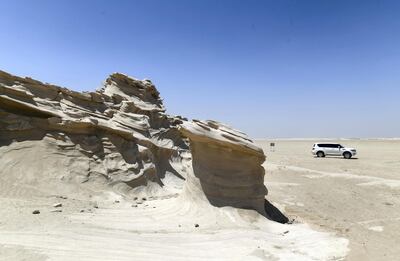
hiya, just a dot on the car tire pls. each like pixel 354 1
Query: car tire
pixel 347 155
pixel 320 154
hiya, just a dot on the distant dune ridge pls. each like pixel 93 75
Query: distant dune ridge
pixel 118 145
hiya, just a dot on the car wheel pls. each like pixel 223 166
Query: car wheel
pixel 320 154
pixel 347 155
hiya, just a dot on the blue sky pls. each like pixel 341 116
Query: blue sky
pixel 270 68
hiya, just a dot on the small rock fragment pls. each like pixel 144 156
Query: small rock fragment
pixel 196 225
pixel 56 210
pixel 57 205
pixel 35 212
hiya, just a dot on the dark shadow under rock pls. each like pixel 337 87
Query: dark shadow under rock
pixel 274 213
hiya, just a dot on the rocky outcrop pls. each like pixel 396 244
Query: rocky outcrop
pixel 227 164
pixel 119 133
pixel 120 136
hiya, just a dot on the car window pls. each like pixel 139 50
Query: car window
pixel 329 145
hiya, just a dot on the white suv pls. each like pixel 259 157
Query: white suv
pixel 332 149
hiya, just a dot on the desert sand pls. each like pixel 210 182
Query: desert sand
pixel 357 199
pixel 109 175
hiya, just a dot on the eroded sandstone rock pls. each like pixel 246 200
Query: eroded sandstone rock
pixel 119 134
pixel 227 164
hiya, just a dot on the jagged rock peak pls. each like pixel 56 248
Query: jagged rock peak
pixel 119 85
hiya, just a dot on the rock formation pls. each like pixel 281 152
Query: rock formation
pixel 120 136
pixel 228 165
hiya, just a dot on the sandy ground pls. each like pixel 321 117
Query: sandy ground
pixel 344 210
pixel 153 229
pixel 94 223
pixel 357 199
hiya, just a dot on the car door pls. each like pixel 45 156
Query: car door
pixel 332 149
pixel 336 149
pixel 326 148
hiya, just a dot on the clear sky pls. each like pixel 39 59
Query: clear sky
pixel 270 68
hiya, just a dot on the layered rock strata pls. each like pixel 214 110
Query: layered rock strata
pixel 121 136
pixel 119 133
pixel 227 164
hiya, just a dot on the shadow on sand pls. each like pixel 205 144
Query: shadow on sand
pixel 274 213
pixel 335 157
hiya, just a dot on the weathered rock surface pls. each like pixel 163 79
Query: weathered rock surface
pixel 55 140
pixel 119 135
pixel 227 164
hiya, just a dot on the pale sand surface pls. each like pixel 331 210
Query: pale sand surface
pixel 358 199
pixel 355 200
pixel 157 228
